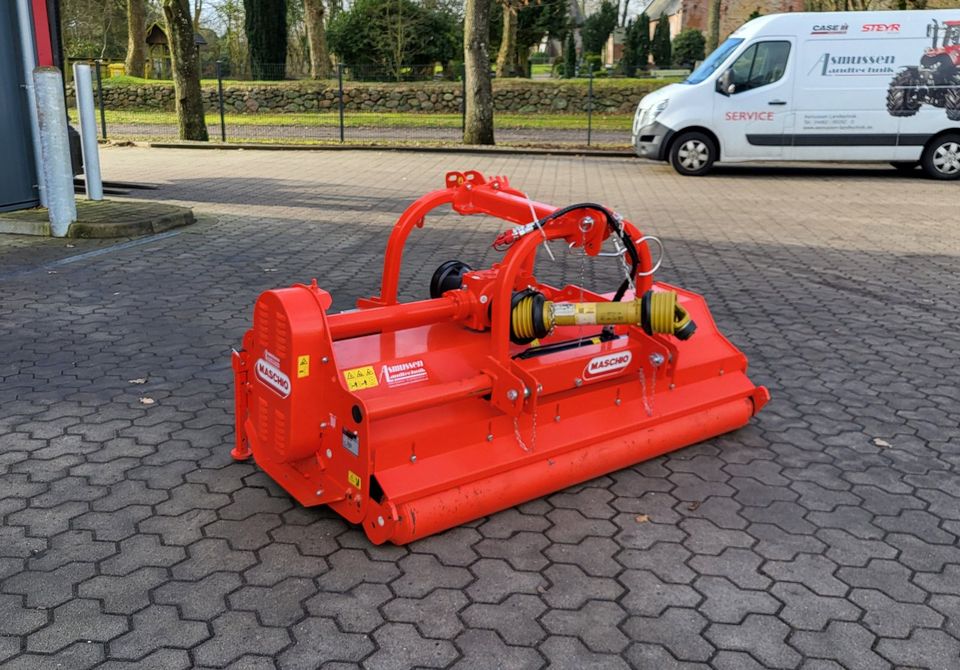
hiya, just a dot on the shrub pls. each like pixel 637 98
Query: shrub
pixel 689 47
pixel 660 45
pixel 570 56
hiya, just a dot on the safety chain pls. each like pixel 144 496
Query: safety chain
pixel 536 221
pixel 533 433
pixel 656 360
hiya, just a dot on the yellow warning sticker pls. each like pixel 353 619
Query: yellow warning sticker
pixel 303 366
pixel 360 378
pixel 354 479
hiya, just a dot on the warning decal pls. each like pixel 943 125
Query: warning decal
pixel 360 378
pixel 354 479
pixel 303 366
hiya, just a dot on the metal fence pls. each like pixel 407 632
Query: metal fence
pixel 430 110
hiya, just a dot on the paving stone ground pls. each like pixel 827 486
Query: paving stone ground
pixel 822 535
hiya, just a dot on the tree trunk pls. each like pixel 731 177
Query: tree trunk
pixel 317 39
pixel 265 22
pixel 507 56
pixel 476 61
pixel 197 11
pixel 186 70
pixel 136 38
pixel 713 25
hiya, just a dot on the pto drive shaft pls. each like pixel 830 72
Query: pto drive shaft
pixel 533 316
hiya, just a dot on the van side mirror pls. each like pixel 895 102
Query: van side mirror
pixel 725 85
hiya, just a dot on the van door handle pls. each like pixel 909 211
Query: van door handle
pixel 777 102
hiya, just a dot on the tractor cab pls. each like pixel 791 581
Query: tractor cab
pixel 946 40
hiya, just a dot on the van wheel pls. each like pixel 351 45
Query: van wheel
pixel 941 158
pixel 692 154
pixel 901 96
pixel 905 166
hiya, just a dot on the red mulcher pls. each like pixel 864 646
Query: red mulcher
pixel 411 418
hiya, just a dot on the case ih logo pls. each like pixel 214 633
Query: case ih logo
pixel 273 377
pixel 880 28
pixel 604 365
pixel 830 29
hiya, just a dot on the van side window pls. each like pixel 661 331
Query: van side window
pixel 761 64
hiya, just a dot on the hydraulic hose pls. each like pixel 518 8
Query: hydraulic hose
pixel 532 316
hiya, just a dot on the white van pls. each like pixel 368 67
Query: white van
pixel 850 86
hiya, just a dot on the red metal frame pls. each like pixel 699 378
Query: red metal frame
pixel 41 34
pixel 469 428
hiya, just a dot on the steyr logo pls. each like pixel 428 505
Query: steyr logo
pixel 880 28
pixel 273 377
pixel 604 365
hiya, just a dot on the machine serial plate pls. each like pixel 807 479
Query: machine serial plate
pixel 351 442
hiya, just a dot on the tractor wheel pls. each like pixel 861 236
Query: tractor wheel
pixel 692 154
pixel 951 99
pixel 941 157
pixel 901 100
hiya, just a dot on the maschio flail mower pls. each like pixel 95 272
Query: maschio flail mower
pixel 411 418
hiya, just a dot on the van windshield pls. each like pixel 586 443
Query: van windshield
pixel 713 61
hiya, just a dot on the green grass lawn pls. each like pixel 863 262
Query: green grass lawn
pixel 612 122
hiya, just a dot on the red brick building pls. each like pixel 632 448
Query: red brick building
pixel 683 14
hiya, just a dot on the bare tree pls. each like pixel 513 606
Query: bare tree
pixel 713 25
pixel 507 65
pixel 476 61
pixel 136 38
pixel 846 5
pixel 317 39
pixel 197 11
pixel 186 70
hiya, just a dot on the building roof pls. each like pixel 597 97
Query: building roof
pixel 157 35
pixel 659 8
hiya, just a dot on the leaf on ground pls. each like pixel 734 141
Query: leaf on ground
pixel 694 506
pixel 642 518
pixel 881 443
pixel 147 401
pixel 138 380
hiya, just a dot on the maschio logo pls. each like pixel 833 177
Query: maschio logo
pixel 604 365
pixel 831 65
pixel 273 377
pixel 880 28
pixel 830 29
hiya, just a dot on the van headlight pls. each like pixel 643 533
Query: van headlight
pixel 658 110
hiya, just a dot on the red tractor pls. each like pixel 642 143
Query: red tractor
pixel 937 79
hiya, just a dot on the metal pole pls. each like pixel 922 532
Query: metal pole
pixel 29 62
pixel 463 99
pixel 83 89
pixel 103 113
pixel 103 108
pixel 340 96
pixel 223 123
pixel 55 146
pixel 589 103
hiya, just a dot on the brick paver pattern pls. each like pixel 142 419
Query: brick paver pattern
pixel 822 535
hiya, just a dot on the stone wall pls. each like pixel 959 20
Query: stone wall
pixel 524 97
